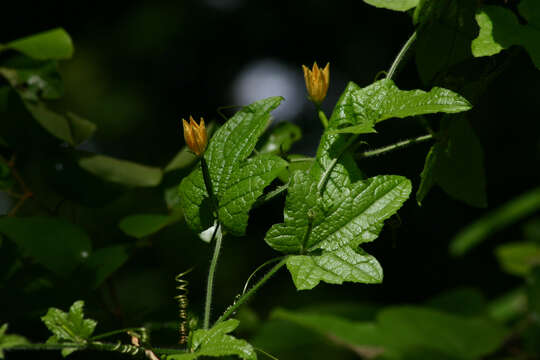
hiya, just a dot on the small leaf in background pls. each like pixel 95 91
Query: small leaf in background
pixel 56 244
pixel 8 341
pixel 359 109
pixel 237 182
pixel 215 342
pixel 500 28
pixel 281 139
pixel 101 264
pixel 70 128
pixel 121 171
pixel 533 293
pixel 54 44
pixel 518 258
pixel 498 219
pixel 70 327
pixel 445 35
pixel 398 5
pixel 456 164
pixel 142 225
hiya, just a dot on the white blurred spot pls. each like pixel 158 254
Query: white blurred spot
pixel 265 78
pixel 84 254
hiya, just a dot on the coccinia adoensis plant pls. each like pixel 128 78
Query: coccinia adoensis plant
pixel 331 209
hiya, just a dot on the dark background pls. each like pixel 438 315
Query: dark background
pixel 139 67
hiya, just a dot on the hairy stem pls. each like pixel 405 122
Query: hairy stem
pixel 211 274
pixel 231 309
pixel 400 56
pixel 393 147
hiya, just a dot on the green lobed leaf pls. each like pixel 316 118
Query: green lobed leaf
pixel 53 44
pixel 121 171
pixel 141 225
pixel 446 30
pixel 216 343
pixel 57 244
pixel 362 108
pixel 281 139
pixel 498 219
pixel 236 182
pixel 500 29
pixel 9 341
pixel 69 327
pixel 70 128
pixel 336 225
pixel 398 5
pixel 400 332
pixel 456 164
pixel 518 258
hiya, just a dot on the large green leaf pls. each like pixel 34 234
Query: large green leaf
pixel 216 343
pixel 400 332
pixel 56 244
pixel 70 327
pixel 500 29
pixel 121 171
pixel 359 109
pixel 398 5
pixel 456 164
pixel 8 341
pixel 236 182
pixel 495 220
pixel 446 30
pixel 53 44
pixel 336 225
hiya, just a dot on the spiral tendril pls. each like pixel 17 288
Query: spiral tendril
pixel 183 302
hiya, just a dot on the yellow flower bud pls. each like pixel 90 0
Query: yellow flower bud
pixel 317 81
pixel 195 135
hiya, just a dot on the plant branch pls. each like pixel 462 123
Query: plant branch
pixel 211 274
pixel 96 345
pixel 393 147
pixel 400 56
pixel 231 309
pixel 272 194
